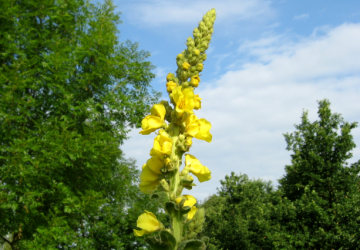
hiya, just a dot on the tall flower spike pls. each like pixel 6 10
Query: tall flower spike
pixel 190 61
pixel 162 171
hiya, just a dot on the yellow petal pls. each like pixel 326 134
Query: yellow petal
pixel 189 200
pixel 139 232
pixel 148 175
pixel 198 128
pixel 148 187
pixel 162 144
pixel 197 101
pixel 158 110
pixel 191 213
pixel 155 164
pixel 149 180
pixel 148 224
pixel 204 130
pixel 184 99
pixel 195 167
pixel 170 86
pixel 151 123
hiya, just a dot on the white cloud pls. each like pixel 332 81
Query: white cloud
pixel 250 108
pixel 163 12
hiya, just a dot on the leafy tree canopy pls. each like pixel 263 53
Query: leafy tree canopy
pixel 322 185
pixel 239 217
pixel 69 91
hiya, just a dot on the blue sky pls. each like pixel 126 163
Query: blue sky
pixel 267 63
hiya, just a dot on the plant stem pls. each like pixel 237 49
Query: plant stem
pixel 176 217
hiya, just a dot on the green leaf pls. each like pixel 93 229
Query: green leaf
pixel 162 240
pixel 171 207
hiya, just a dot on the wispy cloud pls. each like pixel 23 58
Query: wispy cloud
pixel 301 16
pixel 163 12
pixel 251 108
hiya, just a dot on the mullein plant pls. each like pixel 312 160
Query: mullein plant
pixel 176 125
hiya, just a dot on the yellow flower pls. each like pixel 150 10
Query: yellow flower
pixel 184 99
pixel 153 121
pixel 194 81
pixel 190 201
pixel 148 224
pixel 155 164
pixel 196 168
pixel 170 85
pixel 198 128
pixel 186 66
pixel 162 144
pixel 149 180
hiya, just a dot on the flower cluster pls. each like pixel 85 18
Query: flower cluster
pixel 176 125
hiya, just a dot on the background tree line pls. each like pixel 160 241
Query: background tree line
pixel 315 206
pixel 69 92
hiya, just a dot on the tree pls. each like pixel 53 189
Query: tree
pixel 322 186
pixel 69 92
pixel 240 216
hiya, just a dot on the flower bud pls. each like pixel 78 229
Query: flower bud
pixel 170 86
pixel 196 32
pixel 180 56
pixel 186 65
pixel 170 77
pixel 196 52
pixel 188 141
pixel 194 81
pixel 167 161
pixel 187 181
pixel 190 42
pixel 199 67
pixel 164 185
pixel 185 84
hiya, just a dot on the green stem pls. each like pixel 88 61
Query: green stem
pixel 176 218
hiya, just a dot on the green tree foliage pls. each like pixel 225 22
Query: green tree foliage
pixel 317 205
pixel 69 90
pixel 239 216
pixel 322 186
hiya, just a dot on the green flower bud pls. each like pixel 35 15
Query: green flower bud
pixel 165 185
pixel 199 67
pixel 196 51
pixel 180 56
